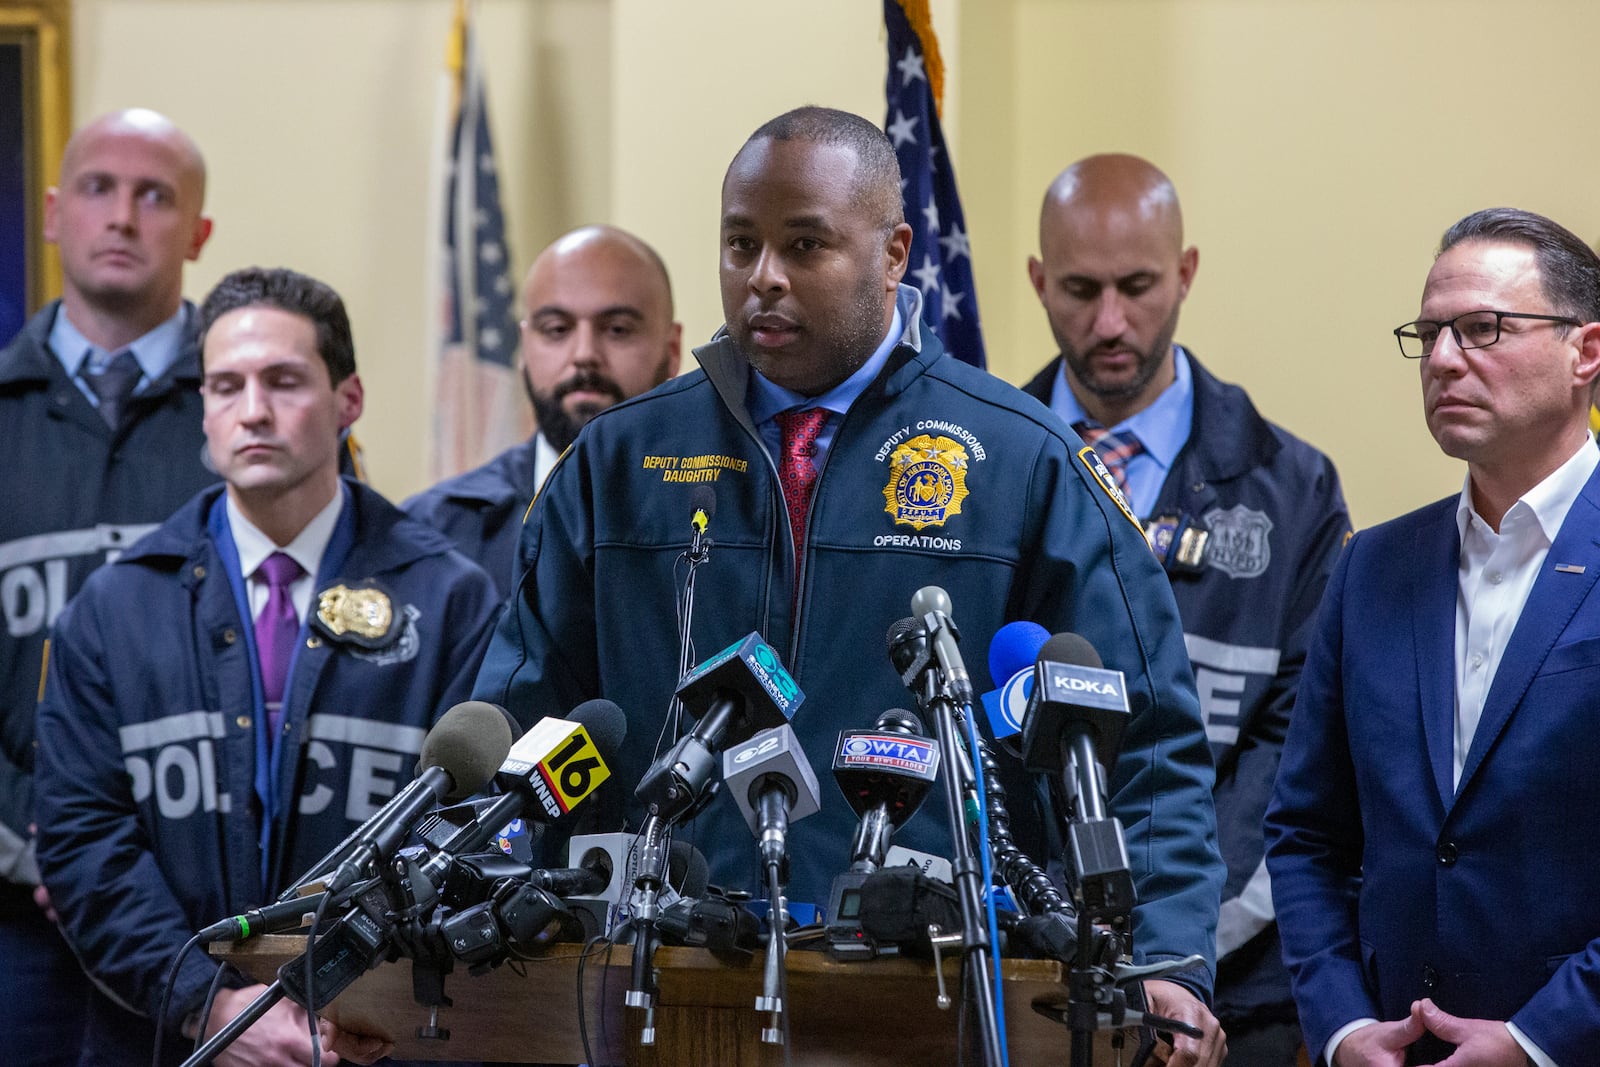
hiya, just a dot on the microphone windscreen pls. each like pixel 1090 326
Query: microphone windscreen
pixel 1070 648
pixel 606 723
pixel 469 742
pixel 703 498
pixel 687 870
pixel 1015 647
pixel 899 629
pixel 931 598
pixel 899 721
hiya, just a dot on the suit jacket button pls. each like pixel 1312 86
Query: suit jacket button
pixel 1430 977
pixel 1447 853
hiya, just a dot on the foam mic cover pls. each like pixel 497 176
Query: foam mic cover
pixel 1012 653
pixel 559 762
pixel 702 506
pixel 469 742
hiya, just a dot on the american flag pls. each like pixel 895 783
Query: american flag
pixel 941 260
pixel 479 408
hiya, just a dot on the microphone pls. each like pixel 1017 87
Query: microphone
pixel 1073 729
pixel 703 501
pixel 1012 652
pixel 932 605
pixel 773 783
pixel 909 650
pixel 318 871
pixel 458 758
pixel 602 875
pixel 275 918
pixel 885 774
pixel 552 768
pixel 742 689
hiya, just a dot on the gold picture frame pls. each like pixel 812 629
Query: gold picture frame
pixel 35 39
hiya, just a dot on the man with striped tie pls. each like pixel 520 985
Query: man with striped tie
pixel 1246 518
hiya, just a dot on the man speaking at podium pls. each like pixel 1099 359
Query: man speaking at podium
pixel 853 462
pixel 1431 834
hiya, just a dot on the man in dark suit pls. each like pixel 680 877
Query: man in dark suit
pixel 1246 518
pixel 1429 837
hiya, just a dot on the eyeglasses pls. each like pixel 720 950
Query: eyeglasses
pixel 1475 329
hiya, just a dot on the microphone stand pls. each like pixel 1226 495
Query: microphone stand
pixel 937 698
pixel 236 1026
pixel 644 909
pixel 698 552
pixel 1095 996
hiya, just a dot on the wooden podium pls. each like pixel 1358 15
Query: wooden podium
pixel 869 1012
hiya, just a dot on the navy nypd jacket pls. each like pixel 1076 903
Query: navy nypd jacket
pixel 76 494
pixel 147 798
pixel 1277 520
pixel 939 474
pixel 482 509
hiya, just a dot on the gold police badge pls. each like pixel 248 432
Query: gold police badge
pixel 363 615
pixel 927 481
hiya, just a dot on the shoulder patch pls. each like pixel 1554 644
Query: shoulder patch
pixel 1102 477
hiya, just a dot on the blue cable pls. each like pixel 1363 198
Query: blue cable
pixel 988 883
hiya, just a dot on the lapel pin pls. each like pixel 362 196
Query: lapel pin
pixel 1570 568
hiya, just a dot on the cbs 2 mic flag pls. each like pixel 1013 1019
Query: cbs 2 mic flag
pixel 941 259
pixel 478 406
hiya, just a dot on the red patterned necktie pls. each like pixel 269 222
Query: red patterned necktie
pixel 1114 449
pixel 277 629
pixel 796 471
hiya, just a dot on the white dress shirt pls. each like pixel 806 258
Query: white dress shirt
pixel 306 549
pixel 1496 575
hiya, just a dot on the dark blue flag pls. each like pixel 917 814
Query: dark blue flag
pixel 941 260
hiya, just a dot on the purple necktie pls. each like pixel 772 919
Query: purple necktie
pixel 277 628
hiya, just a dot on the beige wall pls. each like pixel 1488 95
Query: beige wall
pixel 1320 147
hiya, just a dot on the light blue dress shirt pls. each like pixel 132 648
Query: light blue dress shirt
pixel 767 400
pixel 155 352
pixel 1163 429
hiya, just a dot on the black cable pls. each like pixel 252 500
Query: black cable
pixel 311 971
pixel 1035 892
pixel 583 959
pixel 166 998
pixel 205 1009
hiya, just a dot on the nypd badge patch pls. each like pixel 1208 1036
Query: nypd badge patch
pixel 927 481
pixel 1240 547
